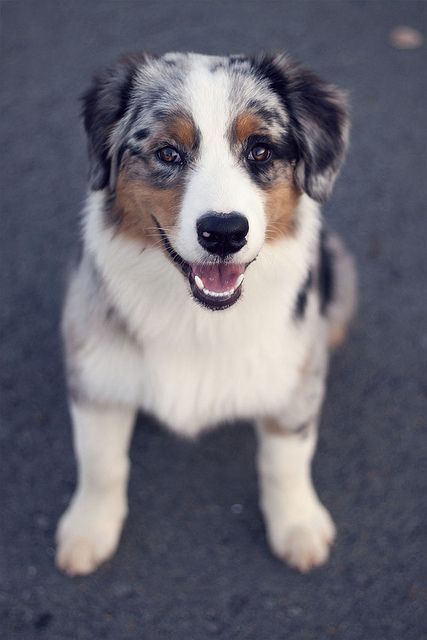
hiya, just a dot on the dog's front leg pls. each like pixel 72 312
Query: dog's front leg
pixel 89 530
pixel 299 528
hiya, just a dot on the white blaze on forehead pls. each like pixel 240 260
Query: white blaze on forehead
pixel 218 182
pixel 209 100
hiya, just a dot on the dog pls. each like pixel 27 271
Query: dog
pixel 208 289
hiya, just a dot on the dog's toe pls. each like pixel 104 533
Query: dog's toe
pixel 306 547
pixel 86 540
pixel 77 557
pixel 305 543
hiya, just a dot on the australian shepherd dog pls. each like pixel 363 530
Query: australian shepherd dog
pixel 208 288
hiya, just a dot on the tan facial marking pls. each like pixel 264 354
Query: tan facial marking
pixel 281 202
pixel 136 204
pixel 183 130
pixel 247 124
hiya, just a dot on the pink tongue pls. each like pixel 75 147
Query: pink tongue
pixel 218 277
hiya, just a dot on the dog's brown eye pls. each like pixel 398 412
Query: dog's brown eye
pixel 260 153
pixel 169 155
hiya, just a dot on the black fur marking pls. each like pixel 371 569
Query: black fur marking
pixel 325 274
pixel 121 151
pixel 133 149
pixel 283 154
pixel 236 58
pixel 270 116
pixel 167 176
pixel 217 66
pixel 104 104
pixel 302 430
pixel 111 216
pixel 318 117
pixel 155 94
pixel 162 113
pixel 255 104
pixel 230 62
pixel 141 134
pixel 302 297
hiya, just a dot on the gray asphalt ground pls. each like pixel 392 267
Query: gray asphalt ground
pixel 193 562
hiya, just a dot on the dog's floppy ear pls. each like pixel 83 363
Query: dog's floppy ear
pixel 104 105
pixel 319 121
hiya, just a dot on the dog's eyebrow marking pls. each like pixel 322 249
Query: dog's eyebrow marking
pixel 183 129
pixel 258 121
pixel 246 125
pixel 178 126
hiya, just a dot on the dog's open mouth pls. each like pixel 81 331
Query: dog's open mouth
pixel 216 285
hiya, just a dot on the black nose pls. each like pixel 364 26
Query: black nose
pixel 222 233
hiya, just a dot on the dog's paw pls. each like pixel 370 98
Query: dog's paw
pixel 303 542
pixel 86 539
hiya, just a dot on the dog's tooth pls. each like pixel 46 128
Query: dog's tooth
pixel 218 294
pixel 240 280
pixel 199 282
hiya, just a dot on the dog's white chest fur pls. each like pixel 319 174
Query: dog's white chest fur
pixel 245 372
pixel 194 367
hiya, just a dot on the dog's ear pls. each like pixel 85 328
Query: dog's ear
pixel 104 105
pixel 319 121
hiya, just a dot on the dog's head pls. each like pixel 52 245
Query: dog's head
pixel 207 157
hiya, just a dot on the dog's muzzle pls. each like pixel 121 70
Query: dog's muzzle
pixel 216 285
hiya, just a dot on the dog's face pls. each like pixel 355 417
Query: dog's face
pixel 206 157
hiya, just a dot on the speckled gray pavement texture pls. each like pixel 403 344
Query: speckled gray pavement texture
pixel 193 562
